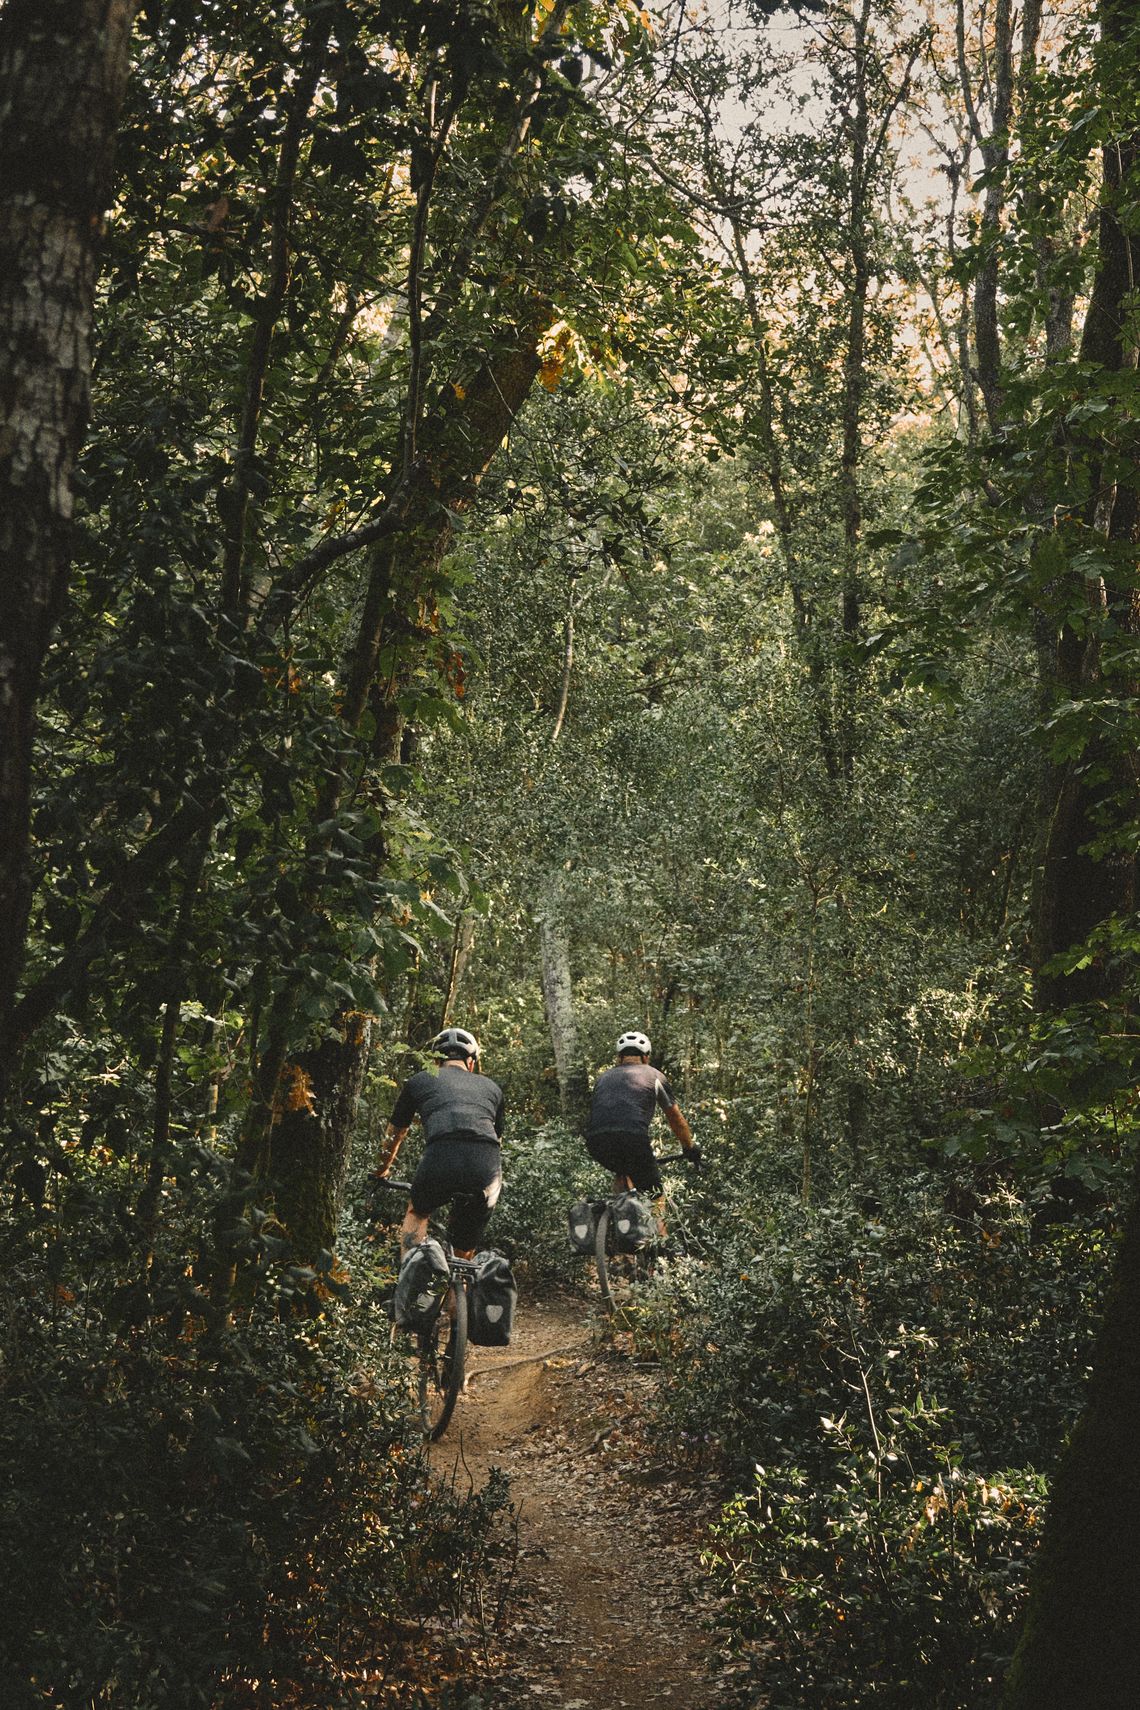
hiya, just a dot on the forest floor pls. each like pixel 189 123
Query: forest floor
pixel 610 1606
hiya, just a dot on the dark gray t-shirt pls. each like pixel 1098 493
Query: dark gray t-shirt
pixel 625 1098
pixel 451 1102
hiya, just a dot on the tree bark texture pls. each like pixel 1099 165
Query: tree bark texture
pixel 312 1134
pixel 558 996
pixel 63 73
pixel 1080 1645
pixel 854 386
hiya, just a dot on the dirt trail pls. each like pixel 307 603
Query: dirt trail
pixel 612 1605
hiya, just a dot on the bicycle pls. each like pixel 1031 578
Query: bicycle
pixel 441 1352
pixel 606 1249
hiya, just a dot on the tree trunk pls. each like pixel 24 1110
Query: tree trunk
pixel 558 996
pixel 1075 892
pixel 995 159
pixel 305 1158
pixel 462 943
pixel 1080 1646
pixel 312 1134
pixel 63 73
pixel 854 386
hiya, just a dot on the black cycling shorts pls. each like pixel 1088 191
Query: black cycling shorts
pixel 469 1174
pixel 627 1155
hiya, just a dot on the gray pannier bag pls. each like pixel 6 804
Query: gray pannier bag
pixel 632 1222
pixel 491 1301
pixel 421 1285
pixel 582 1220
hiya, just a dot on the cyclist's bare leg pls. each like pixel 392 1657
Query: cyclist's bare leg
pixel 413 1230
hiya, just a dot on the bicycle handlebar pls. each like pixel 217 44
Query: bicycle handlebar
pixel 390 1181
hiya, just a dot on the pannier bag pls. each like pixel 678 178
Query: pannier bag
pixel 632 1222
pixel 421 1285
pixel 583 1222
pixel 491 1301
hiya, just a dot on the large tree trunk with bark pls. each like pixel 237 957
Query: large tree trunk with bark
pixel 305 1158
pixel 63 73
pixel 312 1134
pixel 1080 1647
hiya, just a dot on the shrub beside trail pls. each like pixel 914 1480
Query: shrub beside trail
pixel 888 1393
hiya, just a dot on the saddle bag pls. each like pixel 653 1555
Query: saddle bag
pixel 633 1224
pixel 421 1286
pixel 582 1221
pixel 491 1301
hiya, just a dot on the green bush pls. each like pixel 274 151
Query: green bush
pixel 544 1172
pixel 878 1363
pixel 790 1323
pixel 190 1519
pixel 877 1586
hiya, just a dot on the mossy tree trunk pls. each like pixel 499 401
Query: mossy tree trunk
pixel 63 74
pixel 312 1134
pixel 298 1133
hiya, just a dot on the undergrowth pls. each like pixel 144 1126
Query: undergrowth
pixel 240 1517
pixel 889 1388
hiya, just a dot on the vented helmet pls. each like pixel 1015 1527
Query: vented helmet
pixel 634 1041
pixel 455 1042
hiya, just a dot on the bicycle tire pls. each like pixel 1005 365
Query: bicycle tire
pixel 443 1363
pixel 602 1260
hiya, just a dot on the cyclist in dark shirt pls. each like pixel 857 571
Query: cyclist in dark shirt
pixel 462 1116
pixel 622 1107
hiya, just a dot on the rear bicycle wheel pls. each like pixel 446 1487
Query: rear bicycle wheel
pixel 603 1258
pixel 443 1362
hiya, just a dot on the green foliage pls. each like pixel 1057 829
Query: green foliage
pixel 1055 1104
pixel 544 1171
pixel 987 1315
pixel 192 1521
pixel 877 1367
pixel 735 661
pixel 850 1592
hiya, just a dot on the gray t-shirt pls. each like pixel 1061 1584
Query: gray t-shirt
pixel 452 1102
pixel 625 1098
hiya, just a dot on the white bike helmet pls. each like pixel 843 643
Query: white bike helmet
pixel 455 1042
pixel 634 1041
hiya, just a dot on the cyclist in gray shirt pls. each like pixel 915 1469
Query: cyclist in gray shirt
pixel 623 1104
pixel 462 1116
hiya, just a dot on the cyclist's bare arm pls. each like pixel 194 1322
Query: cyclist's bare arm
pixel 414 1227
pixel 679 1126
pixel 395 1137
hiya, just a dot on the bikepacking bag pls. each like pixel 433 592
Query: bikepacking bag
pixel 421 1285
pixel 491 1301
pixel 583 1223
pixel 633 1223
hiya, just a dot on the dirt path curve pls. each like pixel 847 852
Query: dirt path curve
pixel 611 1607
